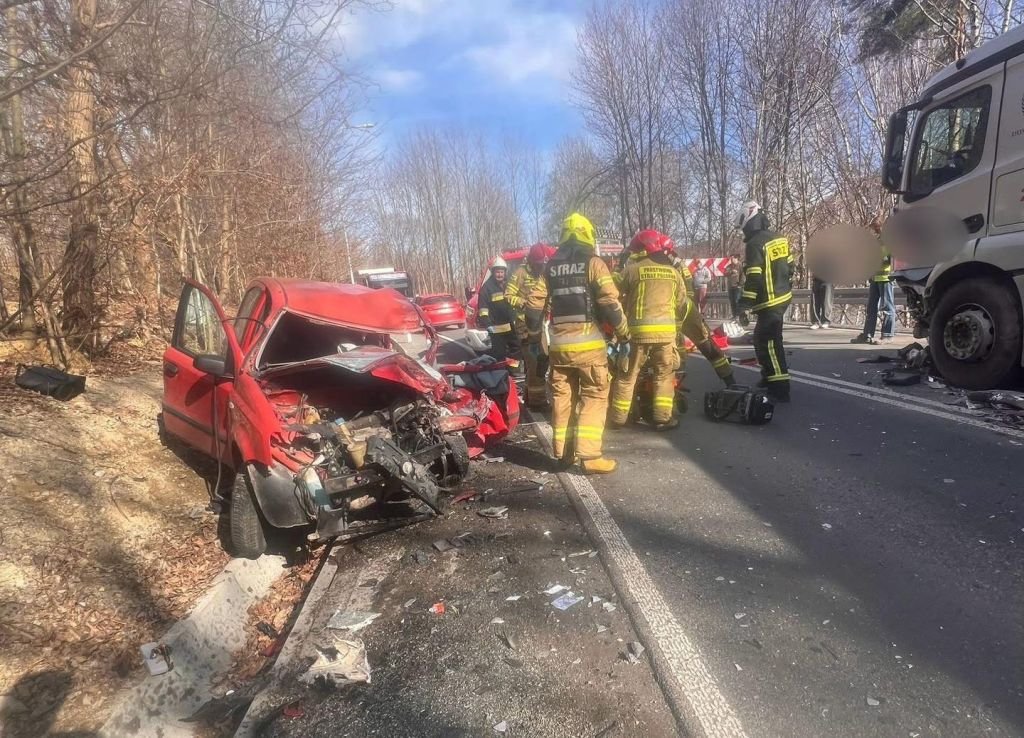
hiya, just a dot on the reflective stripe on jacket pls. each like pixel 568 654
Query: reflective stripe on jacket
pixel 578 290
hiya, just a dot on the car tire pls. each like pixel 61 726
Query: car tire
pixel 248 538
pixel 999 364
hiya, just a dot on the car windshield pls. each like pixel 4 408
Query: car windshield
pixel 297 338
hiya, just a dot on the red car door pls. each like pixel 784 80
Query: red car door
pixel 196 400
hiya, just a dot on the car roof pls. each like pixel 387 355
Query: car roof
pixel 373 310
pixel 435 294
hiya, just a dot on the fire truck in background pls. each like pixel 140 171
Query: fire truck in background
pixel 386 277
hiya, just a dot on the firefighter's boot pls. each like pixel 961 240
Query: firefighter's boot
pixel 601 465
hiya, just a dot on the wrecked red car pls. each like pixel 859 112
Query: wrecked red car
pixel 326 402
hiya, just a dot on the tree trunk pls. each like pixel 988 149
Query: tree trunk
pixel 12 131
pixel 81 319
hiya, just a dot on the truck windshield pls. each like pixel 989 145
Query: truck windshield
pixel 950 141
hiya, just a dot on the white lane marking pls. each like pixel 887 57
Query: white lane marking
pixel 693 680
pixel 883 391
pixel 961 418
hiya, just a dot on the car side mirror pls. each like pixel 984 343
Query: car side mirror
pixel 211 364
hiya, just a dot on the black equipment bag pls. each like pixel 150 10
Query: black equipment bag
pixel 49 380
pixel 739 405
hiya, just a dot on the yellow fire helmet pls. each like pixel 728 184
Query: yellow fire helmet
pixel 578 227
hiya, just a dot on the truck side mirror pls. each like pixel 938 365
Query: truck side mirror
pixel 211 364
pixel 895 143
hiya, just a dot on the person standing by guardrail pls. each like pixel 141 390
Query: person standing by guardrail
pixel 821 303
pixel 880 293
pixel 701 282
pixel 734 281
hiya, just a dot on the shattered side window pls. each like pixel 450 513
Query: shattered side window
pixel 201 330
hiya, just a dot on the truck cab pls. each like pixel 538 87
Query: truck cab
pixel 960 148
pixel 380 277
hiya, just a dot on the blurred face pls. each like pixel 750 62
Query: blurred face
pixel 499 275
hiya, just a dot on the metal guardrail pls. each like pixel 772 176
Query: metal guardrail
pixel 848 307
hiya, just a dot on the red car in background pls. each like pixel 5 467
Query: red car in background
pixel 325 402
pixel 442 311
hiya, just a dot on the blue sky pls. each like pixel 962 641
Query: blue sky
pixel 494 66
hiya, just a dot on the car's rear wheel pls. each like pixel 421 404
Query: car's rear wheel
pixel 975 334
pixel 248 538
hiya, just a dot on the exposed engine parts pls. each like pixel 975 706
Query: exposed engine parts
pixel 384 457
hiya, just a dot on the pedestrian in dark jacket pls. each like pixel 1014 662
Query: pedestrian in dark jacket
pixel 821 303
pixel 734 280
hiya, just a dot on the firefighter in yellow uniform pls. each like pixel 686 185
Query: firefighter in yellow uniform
pixel 578 291
pixel 652 296
pixel 693 326
pixel 516 293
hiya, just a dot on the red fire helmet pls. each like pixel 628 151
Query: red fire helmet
pixel 649 241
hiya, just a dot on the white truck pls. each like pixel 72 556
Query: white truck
pixel 386 277
pixel 960 148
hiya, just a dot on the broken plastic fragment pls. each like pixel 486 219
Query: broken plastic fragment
pixel 501 727
pixel 437 608
pixel 352 621
pixel 948 481
pixel 566 601
pixel 872 702
pixel 498 513
pixel 826 526
pixel 740 615
pixel 343 662
pixel 513 598
pixel 497 621
pixel 555 589
pixel 608 606
pixel 634 651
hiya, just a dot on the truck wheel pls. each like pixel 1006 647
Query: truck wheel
pixel 975 334
pixel 248 540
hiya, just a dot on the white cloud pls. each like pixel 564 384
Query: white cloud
pixel 506 41
pixel 536 47
pixel 397 80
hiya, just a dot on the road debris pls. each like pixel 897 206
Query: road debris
pixel 740 615
pixel 343 662
pixel 948 481
pixel 408 603
pixel 634 650
pixel 500 727
pixel 872 702
pixel 566 601
pixel 466 496
pixel 351 621
pixel 608 606
pixel 443 545
pixel 157 658
pixel 513 598
pixel 496 513
pixel 555 589
pixel 509 640
pixel 826 526
pixel 437 608
pixel 497 621
pixel 293 710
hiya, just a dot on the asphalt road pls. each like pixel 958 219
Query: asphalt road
pixel 853 568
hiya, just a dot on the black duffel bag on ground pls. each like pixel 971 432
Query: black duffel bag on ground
pixel 739 404
pixel 49 380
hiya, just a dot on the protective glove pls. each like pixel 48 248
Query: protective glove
pixel 624 349
pixel 622 356
pixel 743 318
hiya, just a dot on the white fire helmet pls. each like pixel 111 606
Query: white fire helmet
pixel 499 263
pixel 749 210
